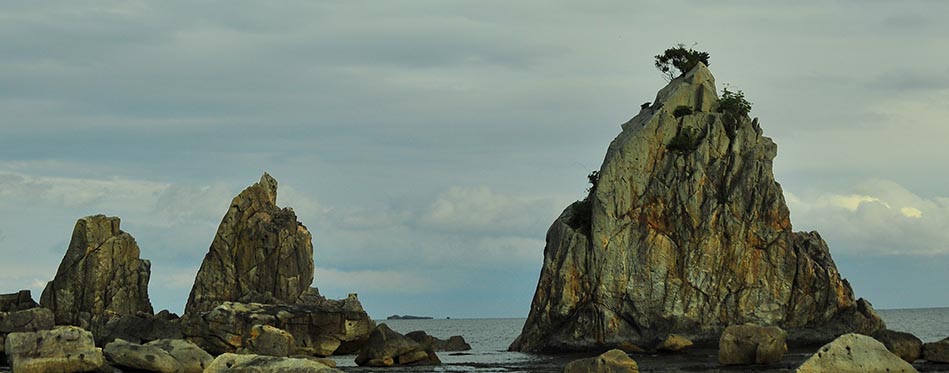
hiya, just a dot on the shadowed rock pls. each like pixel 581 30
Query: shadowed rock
pixel 751 344
pixel 905 345
pixel 937 352
pixel 613 361
pixel 100 277
pixel 18 301
pixel 686 231
pixel 258 363
pixel 389 348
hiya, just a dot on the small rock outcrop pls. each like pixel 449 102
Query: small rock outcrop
pixel 937 352
pixel 685 231
pixel 389 348
pixel 190 357
pixel 101 276
pixel 751 344
pixel 905 345
pixel 612 361
pixel 27 320
pixel 269 341
pixel 674 343
pixel 124 354
pixel 261 253
pixel 61 349
pixel 854 353
pixel 453 343
pixel 21 300
pixel 258 363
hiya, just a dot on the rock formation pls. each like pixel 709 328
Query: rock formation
pixel 61 349
pixel 101 276
pixel 21 300
pixel 686 231
pixel 261 253
pixel 387 347
pixel 28 320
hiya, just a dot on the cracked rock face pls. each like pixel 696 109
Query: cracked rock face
pixel 101 276
pixel 261 253
pixel 687 239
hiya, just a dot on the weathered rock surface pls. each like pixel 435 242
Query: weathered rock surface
pixel 101 276
pixel 322 328
pixel 61 349
pixel 261 253
pixel 28 320
pixel 854 353
pixel 453 343
pixel 751 344
pixel 21 300
pixel 261 364
pixel 905 345
pixel 190 357
pixel 674 343
pixel 124 354
pixel 937 352
pixel 268 340
pixel 686 239
pixel 389 348
pixel 612 361
pixel 140 328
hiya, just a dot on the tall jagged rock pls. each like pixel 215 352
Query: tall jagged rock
pixel 687 233
pixel 101 276
pixel 260 253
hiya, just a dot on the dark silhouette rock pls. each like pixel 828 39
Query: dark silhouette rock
pixel 905 345
pixel 389 348
pixel 937 352
pixel 21 300
pixel 140 328
pixel 453 343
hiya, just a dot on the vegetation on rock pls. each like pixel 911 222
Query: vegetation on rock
pixel 582 215
pixel 681 111
pixel 681 58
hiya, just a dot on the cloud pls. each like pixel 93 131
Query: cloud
pixel 480 209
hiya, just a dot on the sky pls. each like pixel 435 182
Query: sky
pixel 428 145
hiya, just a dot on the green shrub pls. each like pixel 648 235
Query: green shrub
pixel 681 111
pixel 681 59
pixel 686 141
pixel 734 103
pixel 582 215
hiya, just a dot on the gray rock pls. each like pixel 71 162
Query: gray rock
pixel 937 352
pixel 612 361
pixel 261 253
pixel 389 348
pixel 261 364
pixel 190 357
pixel 28 320
pixel 685 241
pixel 124 354
pixel 268 340
pixel 61 349
pixel 100 277
pixel 18 301
pixel 854 353
pixel 453 343
pixel 751 344
pixel 905 345
pixel 140 328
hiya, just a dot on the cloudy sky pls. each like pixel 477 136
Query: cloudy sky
pixel 429 145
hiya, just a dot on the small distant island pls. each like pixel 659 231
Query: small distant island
pixel 408 317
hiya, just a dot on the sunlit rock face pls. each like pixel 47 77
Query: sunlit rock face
pixel 686 239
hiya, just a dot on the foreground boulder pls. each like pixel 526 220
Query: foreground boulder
pixel 388 348
pixel 905 345
pixel 21 300
pixel 751 344
pixel 685 231
pixel 261 253
pixel 28 320
pixel 124 354
pixel 101 276
pixel 319 328
pixel 612 361
pixel 62 349
pixel 140 328
pixel 937 352
pixel 257 363
pixel 854 353
pixel 190 357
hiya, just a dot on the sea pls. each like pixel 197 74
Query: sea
pixel 490 338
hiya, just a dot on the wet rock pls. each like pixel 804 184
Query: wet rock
pixel 674 343
pixel 261 253
pixel 330 327
pixel 905 345
pixel 751 344
pixel 268 340
pixel 854 353
pixel 685 231
pixel 389 348
pixel 190 357
pixel 61 349
pixel 140 328
pixel 937 352
pixel 124 354
pixel 100 277
pixel 18 301
pixel 612 361
pixel 258 363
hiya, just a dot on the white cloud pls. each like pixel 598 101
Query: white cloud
pixel 480 209
pixel 382 281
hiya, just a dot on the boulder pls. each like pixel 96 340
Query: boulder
pixel 905 345
pixel 937 352
pixel 323 329
pixel 751 344
pixel 190 357
pixel 28 320
pixel 100 277
pixel 260 364
pixel 61 349
pixel 268 340
pixel 453 343
pixel 685 231
pixel 18 301
pixel 260 254
pixel 386 347
pixel 674 343
pixel 612 361
pixel 140 328
pixel 124 354
pixel 854 353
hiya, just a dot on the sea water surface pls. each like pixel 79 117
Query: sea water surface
pixel 490 338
